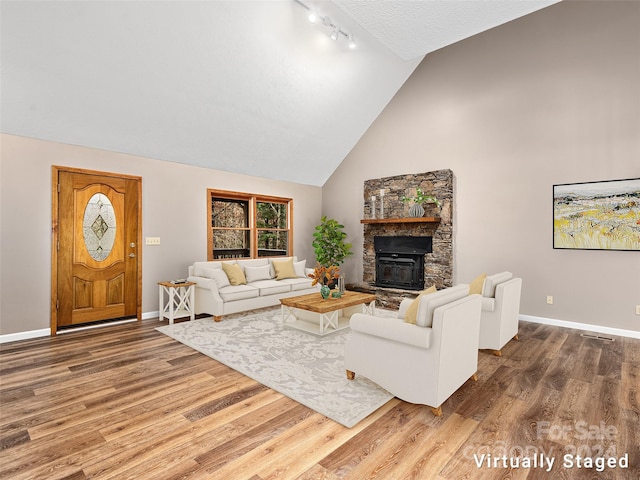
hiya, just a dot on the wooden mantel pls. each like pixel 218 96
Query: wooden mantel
pixel 381 221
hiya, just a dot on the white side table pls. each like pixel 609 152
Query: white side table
pixel 180 301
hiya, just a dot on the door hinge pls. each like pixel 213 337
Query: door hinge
pixel 57 304
pixel 58 188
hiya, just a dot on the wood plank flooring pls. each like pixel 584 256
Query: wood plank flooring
pixel 127 402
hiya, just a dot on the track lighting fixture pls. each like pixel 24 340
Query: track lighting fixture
pixel 336 31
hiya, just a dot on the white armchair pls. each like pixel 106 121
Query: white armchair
pixel 420 363
pixel 500 311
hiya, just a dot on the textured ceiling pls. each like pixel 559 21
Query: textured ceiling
pixel 243 86
pixel 413 28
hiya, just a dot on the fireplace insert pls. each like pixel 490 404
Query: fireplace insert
pixel 400 261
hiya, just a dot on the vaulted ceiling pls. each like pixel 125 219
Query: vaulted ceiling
pixel 244 86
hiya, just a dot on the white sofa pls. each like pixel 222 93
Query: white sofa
pixel 420 363
pixel 215 296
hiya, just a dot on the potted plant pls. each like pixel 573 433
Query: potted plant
pixel 325 276
pixel 417 210
pixel 329 244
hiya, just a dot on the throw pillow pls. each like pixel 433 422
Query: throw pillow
pixel 476 285
pixel 235 273
pixel 205 272
pixel 284 269
pixel 220 277
pixel 254 274
pixel 412 312
pixel 299 267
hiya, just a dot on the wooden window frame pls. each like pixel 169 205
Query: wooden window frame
pixel 253 199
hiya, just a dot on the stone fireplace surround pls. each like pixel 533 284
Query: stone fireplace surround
pixel 438 265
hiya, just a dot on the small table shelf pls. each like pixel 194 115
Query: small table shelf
pixel 179 302
pixel 381 221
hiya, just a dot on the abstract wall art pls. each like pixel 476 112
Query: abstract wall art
pixel 601 215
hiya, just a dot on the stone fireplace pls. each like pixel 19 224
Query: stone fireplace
pixel 436 261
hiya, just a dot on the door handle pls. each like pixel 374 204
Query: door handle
pixel 132 255
pixel 132 245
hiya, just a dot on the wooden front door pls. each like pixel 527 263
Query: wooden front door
pixel 96 247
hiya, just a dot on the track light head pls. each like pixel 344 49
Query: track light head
pixel 313 17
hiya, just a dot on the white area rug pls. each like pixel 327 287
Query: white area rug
pixel 305 367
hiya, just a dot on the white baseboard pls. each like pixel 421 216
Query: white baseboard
pixel 581 326
pixel 14 337
pixel 45 332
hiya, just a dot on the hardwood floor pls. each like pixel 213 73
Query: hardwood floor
pixel 128 402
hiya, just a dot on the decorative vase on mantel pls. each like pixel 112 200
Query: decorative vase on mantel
pixel 416 210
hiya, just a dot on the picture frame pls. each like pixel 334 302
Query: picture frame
pixel 602 215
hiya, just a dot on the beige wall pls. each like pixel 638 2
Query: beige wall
pixel 173 208
pixel 550 98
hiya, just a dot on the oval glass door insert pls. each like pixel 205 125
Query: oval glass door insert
pixel 99 227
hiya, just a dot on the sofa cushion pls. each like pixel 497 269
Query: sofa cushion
pixel 235 273
pixel 238 292
pixel 476 285
pixel 253 262
pixel 200 268
pixel 299 267
pixel 279 259
pixel 284 269
pixel 219 276
pixel 492 281
pixel 253 274
pixel 412 311
pixel 206 272
pixel 297 283
pixel 271 287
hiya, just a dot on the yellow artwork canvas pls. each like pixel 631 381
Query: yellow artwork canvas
pixel 597 215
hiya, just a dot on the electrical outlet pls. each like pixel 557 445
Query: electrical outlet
pixel 549 299
pixel 152 240
pixel 637 309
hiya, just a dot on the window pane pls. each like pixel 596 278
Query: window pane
pixel 99 227
pixel 229 213
pixel 271 215
pixel 272 243
pixel 231 244
pixel 238 219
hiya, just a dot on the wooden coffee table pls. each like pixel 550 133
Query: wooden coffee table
pixel 320 316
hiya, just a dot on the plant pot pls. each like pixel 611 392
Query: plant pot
pixel 416 210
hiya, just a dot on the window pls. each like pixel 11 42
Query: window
pixel 244 225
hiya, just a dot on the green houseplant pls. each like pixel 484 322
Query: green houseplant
pixel 331 250
pixel 329 243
